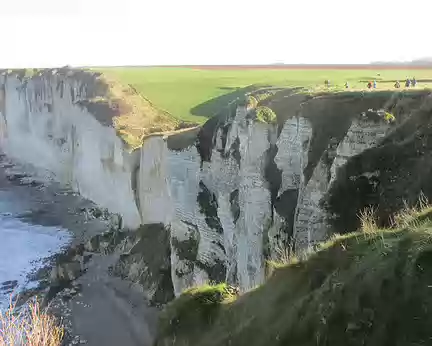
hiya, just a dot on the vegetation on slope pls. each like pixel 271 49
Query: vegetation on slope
pixel 194 95
pixel 366 288
pixel 32 326
pixel 137 116
pixel 265 115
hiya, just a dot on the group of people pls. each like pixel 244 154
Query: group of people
pixel 408 83
pixel 373 84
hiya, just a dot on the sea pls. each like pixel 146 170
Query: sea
pixel 24 248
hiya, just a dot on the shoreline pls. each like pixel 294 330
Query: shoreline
pixel 75 283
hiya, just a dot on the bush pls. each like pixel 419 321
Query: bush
pixel 265 115
pixel 252 102
pixel 389 117
pixel 262 96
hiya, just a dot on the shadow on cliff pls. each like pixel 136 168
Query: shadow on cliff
pixel 90 93
pixel 212 107
pixel 103 111
pixel 331 114
pixel 386 178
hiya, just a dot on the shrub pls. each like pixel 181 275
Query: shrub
pixel 265 115
pixel 32 327
pixel 389 117
pixel 262 96
pixel 252 102
pixel 368 220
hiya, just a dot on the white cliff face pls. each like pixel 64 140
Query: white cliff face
pixel 291 159
pixel 254 202
pixel 188 223
pixel 153 191
pixel 362 134
pixel 311 226
pixel 222 177
pixel 242 206
pixel 293 145
pixel 43 124
pixel 244 201
pixel 48 129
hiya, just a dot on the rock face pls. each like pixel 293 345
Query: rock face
pixel 52 122
pixel 243 193
pixel 146 260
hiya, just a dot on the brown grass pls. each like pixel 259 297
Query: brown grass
pixel 138 116
pixel 31 326
pixel 415 215
pixel 368 222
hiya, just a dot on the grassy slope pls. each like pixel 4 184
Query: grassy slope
pixel 369 288
pixel 181 91
pixel 137 117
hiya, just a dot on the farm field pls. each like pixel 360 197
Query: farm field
pixel 194 94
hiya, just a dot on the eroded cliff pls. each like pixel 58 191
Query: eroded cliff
pixel 240 192
pixel 273 189
pixel 61 121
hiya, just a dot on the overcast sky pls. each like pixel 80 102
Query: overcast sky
pixel 40 33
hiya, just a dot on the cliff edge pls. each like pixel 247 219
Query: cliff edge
pixel 279 171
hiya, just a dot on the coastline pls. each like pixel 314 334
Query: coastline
pixel 75 282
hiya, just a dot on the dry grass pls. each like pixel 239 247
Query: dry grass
pixel 31 326
pixel 407 217
pixel 412 216
pixel 138 116
pixel 367 220
pixel 285 254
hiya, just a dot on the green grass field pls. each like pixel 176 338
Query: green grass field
pixel 194 95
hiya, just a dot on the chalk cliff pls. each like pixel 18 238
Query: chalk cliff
pixel 243 192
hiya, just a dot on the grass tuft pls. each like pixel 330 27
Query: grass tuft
pixel 413 216
pixel 368 220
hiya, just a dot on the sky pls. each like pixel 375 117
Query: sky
pixel 47 33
